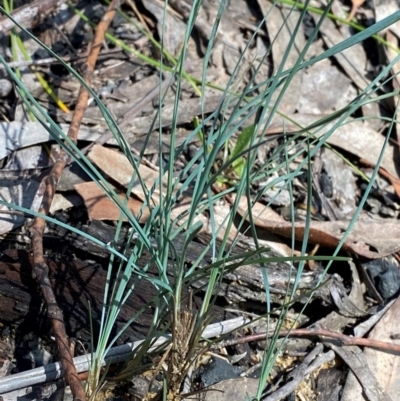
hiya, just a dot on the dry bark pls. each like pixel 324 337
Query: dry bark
pixel 76 282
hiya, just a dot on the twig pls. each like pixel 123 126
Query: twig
pixel 53 60
pixel 48 187
pixel 28 15
pixel 14 213
pixel 356 4
pixel 318 331
pixel 139 15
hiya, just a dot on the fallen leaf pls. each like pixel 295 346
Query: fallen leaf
pixel 280 25
pixel 100 207
pixel 393 180
pixel 16 135
pixel 371 390
pixel 386 365
pixel 234 389
pixel 391 55
pixel 117 166
pixel 63 202
pixel 368 238
pixel 170 27
pixel 324 89
pixel 356 4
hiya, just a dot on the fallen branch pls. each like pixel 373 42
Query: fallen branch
pixel 48 187
pixel 53 60
pixel 320 332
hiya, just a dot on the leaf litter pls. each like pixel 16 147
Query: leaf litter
pixel 122 78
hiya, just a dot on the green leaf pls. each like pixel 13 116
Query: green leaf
pixel 243 141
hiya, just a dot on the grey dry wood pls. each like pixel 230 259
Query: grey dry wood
pixel 141 125
pixel 329 384
pixel 76 281
pixel 244 284
pixel 311 362
pixel 27 15
pixel 16 135
pixel 355 359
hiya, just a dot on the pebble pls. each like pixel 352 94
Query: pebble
pixel 5 87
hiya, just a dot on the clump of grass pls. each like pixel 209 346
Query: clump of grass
pixel 208 185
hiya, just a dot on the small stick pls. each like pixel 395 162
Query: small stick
pixel 356 4
pixel 53 60
pixel 48 188
pixel 318 331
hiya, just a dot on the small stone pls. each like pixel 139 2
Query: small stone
pixel 385 274
pixel 241 388
pixel 217 370
pixel 387 212
pixel 326 185
pixel 374 205
pixel 5 87
pixel 388 283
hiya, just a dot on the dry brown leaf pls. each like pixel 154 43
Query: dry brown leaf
pixel 232 389
pixel 371 390
pixel 18 135
pixel 64 201
pixel 179 212
pixel 348 137
pixel 117 166
pixel 391 55
pixel 343 201
pixel 369 238
pixel 356 4
pixel 100 207
pixel 169 25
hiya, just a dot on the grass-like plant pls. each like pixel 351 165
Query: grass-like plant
pixel 220 131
